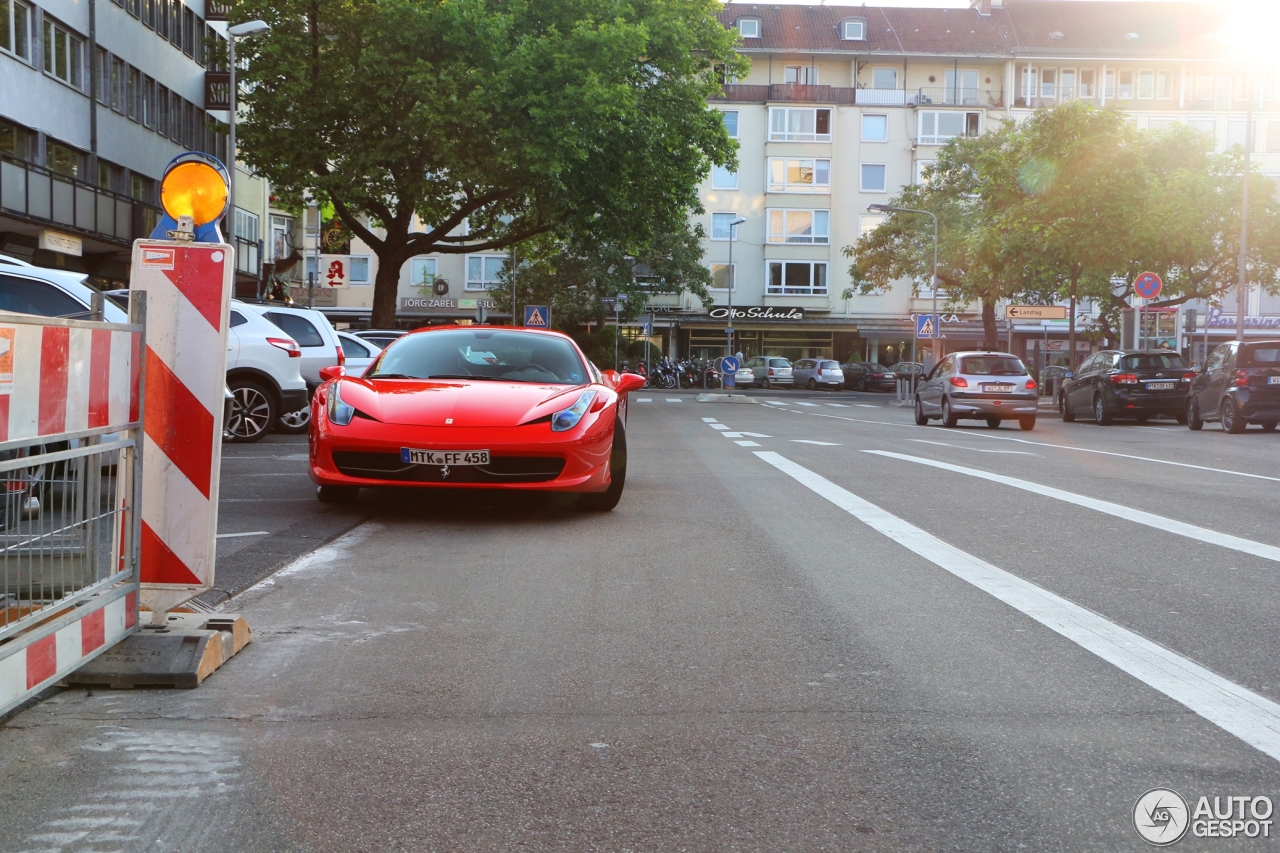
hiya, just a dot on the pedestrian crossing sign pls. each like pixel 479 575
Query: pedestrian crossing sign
pixel 926 326
pixel 537 316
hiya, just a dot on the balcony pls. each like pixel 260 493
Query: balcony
pixel 249 257
pixel 796 93
pixel 961 96
pixel 800 93
pixel 37 194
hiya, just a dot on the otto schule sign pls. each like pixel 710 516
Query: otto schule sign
pixel 758 312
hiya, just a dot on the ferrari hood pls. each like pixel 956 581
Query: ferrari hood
pixel 459 404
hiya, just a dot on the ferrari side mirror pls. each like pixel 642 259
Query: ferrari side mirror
pixel 331 372
pixel 626 382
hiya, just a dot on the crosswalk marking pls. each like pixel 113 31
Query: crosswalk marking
pixel 819 443
pixel 838 405
pixel 748 443
pixel 708 420
pixel 674 400
pixel 1253 718
pixel 869 406
pixel 717 426
pixel 1159 522
pixel 806 404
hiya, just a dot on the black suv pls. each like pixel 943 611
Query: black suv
pixel 1240 386
pixel 1127 383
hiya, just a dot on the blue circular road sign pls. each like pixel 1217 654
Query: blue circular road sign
pixel 1148 285
pixel 729 364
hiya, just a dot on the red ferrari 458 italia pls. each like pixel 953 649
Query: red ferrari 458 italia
pixel 474 407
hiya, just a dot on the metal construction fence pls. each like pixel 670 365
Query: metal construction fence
pixel 70 470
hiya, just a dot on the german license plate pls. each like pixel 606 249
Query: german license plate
pixel 998 389
pixel 444 457
pixel 1161 386
pixel 1273 380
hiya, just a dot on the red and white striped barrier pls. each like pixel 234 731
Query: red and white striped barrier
pixel 56 380
pixel 86 632
pixel 188 287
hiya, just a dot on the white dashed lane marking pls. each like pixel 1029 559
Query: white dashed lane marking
pixel 1159 522
pixel 815 405
pixel 644 399
pixel 674 400
pixel 819 443
pixel 1237 710
pixel 974 449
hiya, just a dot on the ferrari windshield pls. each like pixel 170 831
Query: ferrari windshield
pixel 482 353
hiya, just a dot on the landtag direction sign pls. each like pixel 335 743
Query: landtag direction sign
pixel 1036 312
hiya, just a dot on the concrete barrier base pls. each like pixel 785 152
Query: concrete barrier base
pixel 183 652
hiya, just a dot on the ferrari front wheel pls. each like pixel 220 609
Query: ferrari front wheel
pixel 608 499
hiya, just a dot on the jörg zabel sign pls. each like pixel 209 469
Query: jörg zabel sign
pixel 758 312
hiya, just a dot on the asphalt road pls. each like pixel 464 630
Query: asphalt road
pixel 782 640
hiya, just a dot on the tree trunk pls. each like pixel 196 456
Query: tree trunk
pixel 386 289
pixel 1071 328
pixel 990 334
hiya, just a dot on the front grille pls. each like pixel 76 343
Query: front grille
pixel 501 469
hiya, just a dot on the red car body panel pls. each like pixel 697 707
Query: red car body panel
pixel 512 420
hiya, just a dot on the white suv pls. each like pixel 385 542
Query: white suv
pixel 263 373
pixel 320 348
pixel 26 289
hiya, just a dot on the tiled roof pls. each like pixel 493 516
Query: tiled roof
pixel 1020 28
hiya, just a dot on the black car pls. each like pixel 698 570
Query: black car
pixel 1127 384
pixel 868 376
pixel 1240 385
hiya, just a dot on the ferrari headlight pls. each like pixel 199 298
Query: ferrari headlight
pixel 340 412
pixel 567 419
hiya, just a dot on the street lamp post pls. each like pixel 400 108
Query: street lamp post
pixel 248 28
pixel 733 279
pixel 933 283
pixel 1242 281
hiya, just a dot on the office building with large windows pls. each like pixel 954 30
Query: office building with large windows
pixel 96 97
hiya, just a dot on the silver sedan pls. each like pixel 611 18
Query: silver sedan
pixel 986 386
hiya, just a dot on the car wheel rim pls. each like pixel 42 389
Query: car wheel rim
pixel 249 414
pixel 1098 411
pixel 297 419
pixel 1228 418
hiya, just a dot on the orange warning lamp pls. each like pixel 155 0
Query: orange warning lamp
pixel 194 185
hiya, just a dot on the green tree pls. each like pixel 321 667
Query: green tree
pixel 1189 232
pixel 581 119
pixel 977 261
pixel 574 277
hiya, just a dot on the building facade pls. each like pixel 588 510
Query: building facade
pixel 843 106
pixel 96 98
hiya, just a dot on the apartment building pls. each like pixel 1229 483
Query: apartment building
pixel 96 97
pixel 843 106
